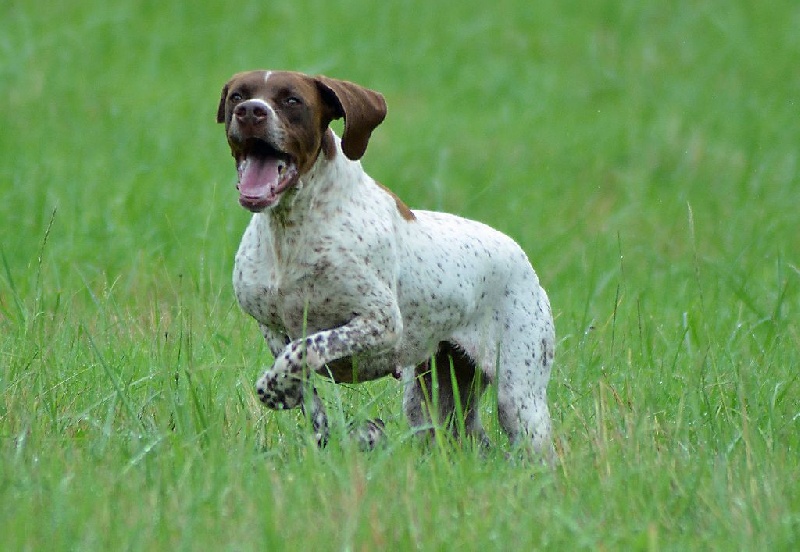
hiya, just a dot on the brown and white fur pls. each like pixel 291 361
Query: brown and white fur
pixel 346 281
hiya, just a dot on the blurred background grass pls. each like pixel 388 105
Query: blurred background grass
pixel 645 156
pixel 559 124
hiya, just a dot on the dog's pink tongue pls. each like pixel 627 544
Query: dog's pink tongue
pixel 259 179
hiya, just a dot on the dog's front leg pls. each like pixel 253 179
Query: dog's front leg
pixel 318 417
pixel 281 387
pixel 315 410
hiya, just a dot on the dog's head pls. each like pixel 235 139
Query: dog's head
pixel 277 126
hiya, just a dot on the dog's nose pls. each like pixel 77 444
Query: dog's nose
pixel 251 112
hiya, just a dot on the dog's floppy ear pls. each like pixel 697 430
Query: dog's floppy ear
pixel 221 108
pixel 362 109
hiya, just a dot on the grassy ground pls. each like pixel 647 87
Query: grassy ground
pixel 645 155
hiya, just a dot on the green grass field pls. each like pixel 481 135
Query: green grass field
pixel 645 155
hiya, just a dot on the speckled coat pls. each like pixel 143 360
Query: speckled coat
pixel 338 269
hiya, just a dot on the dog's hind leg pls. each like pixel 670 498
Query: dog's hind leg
pixel 525 360
pixel 456 391
pixel 524 416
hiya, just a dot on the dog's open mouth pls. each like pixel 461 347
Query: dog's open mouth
pixel 264 174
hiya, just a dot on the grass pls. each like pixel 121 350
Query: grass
pixel 645 156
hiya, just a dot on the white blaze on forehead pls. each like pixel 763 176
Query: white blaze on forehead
pixel 267 74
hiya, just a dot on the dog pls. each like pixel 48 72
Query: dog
pixel 346 281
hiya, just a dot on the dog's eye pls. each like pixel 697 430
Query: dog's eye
pixel 236 97
pixel 292 101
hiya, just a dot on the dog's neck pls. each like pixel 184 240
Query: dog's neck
pixel 328 180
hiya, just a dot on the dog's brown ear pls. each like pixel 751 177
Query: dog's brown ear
pixel 221 107
pixel 362 109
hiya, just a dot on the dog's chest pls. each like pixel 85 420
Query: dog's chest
pixel 289 284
